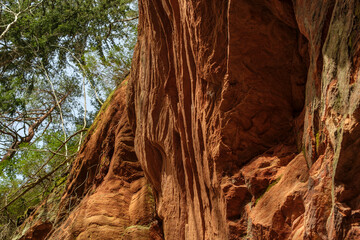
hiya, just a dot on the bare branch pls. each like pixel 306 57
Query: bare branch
pixel 18 140
pixel 84 72
pixel 29 186
pixel 118 21
pixel 57 103
pixel 34 184
pixel 16 15
pixel 126 19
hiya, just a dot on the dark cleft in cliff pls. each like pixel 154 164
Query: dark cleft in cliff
pixel 244 115
pixel 216 98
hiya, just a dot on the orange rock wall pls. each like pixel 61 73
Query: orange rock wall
pixel 245 120
pixel 107 196
pixel 240 120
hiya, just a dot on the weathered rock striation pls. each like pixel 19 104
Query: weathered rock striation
pixel 116 200
pixel 246 117
pixel 107 196
pixel 242 121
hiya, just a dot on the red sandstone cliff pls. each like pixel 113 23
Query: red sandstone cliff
pixel 241 122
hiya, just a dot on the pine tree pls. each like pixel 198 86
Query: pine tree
pixel 56 56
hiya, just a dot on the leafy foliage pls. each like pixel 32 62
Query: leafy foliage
pixel 48 30
pixel 59 59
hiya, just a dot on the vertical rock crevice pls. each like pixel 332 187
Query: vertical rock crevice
pixel 230 92
pixel 256 91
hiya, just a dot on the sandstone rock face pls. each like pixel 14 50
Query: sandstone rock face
pixel 116 200
pixel 107 196
pixel 241 122
pixel 246 117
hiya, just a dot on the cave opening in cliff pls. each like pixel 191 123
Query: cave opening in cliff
pixel 267 69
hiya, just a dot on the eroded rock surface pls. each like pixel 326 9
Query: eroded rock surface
pixel 107 196
pixel 242 121
pixel 245 116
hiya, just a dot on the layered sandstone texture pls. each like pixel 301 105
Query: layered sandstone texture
pixel 241 121
pixel 106 196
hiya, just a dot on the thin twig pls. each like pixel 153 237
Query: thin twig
pixel 51 157
pixel 16 15
pixel 84 125
pixel 58 104
pixel 18 140
pixel 32 185
pixel 84 72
